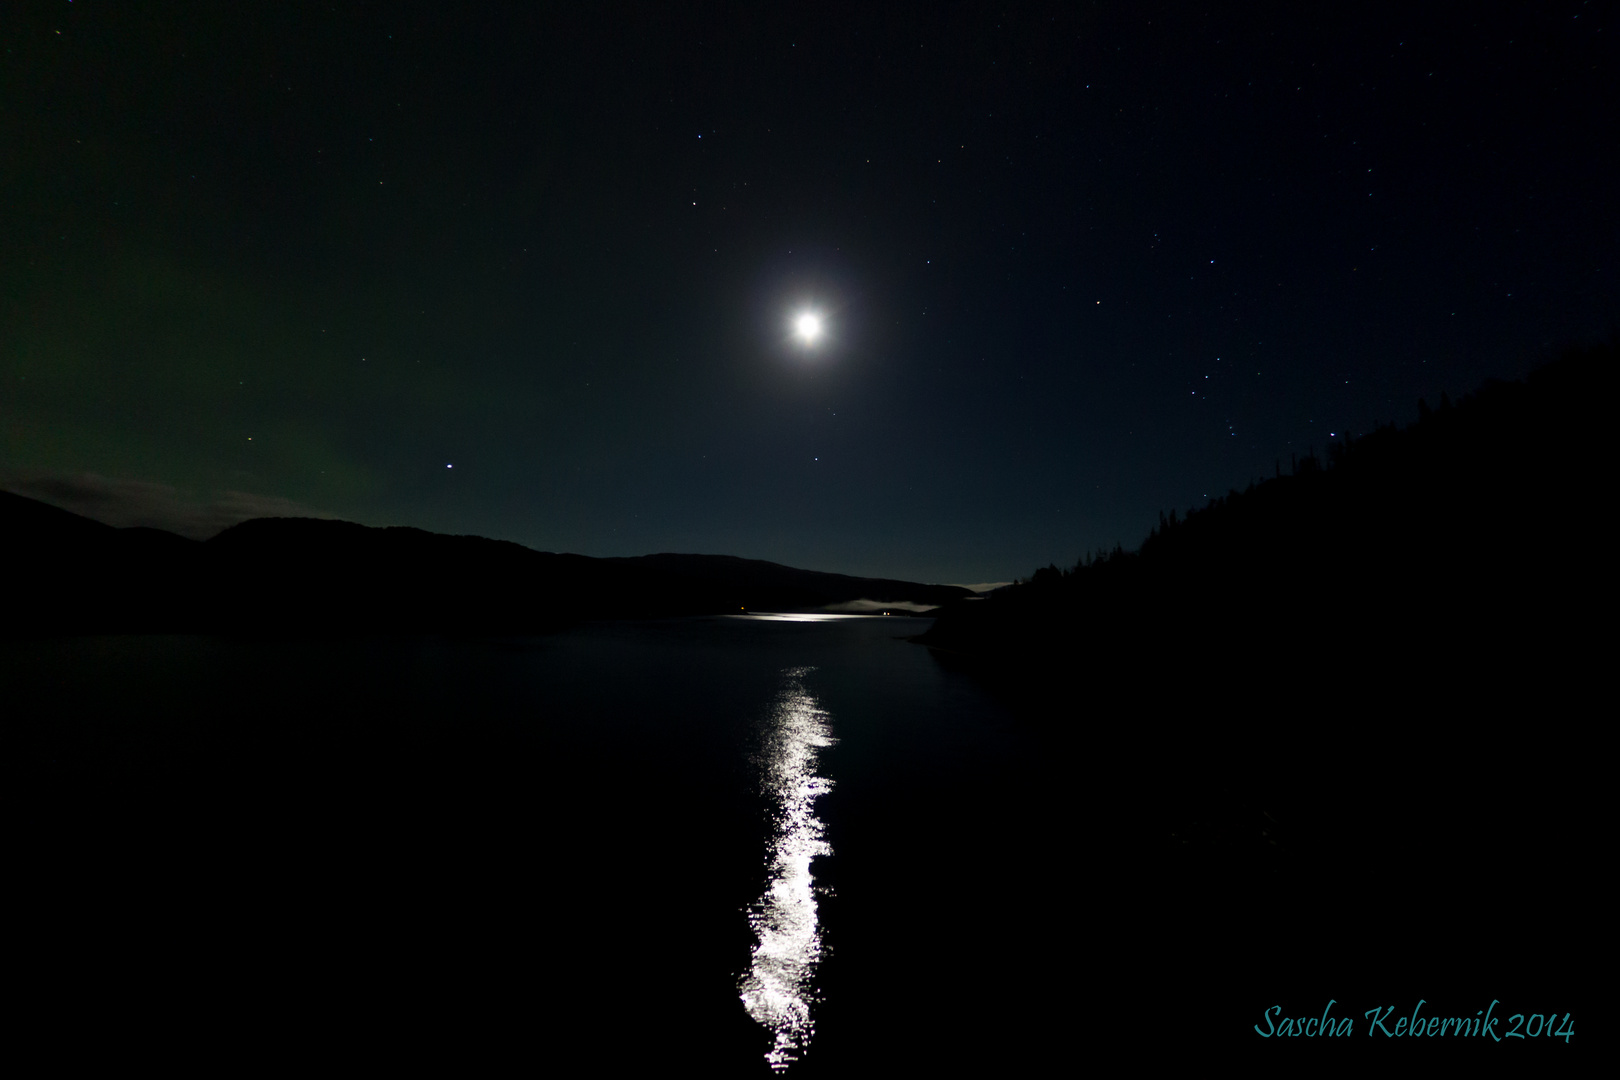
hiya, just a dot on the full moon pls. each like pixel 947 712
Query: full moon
pixel 808 327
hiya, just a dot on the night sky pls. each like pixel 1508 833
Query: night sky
pixel 530 271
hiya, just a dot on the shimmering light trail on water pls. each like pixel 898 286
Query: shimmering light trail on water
pixel 779 987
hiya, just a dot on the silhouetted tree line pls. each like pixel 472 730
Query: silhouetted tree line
pixel 1472 533
pixel 1365 680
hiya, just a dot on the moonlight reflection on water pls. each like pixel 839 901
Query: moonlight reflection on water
pixel 778 988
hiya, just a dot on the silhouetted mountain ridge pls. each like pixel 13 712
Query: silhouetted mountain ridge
pixel 305 575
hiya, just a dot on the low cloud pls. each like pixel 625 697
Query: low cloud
pixel 985 586
pixel 126 503
pixel 866 606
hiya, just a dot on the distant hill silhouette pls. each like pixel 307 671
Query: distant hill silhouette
pixel 301 575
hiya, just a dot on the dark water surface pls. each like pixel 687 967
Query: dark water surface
pixel 746 845
pixel 751 843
